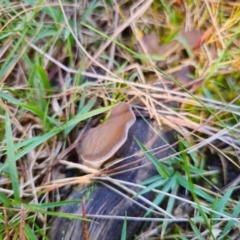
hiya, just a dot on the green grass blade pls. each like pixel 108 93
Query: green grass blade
pixel 84 110
pixel 195 192
pixel 231 223
pixel 164 171
pixel 11 60
pixel 44 79
pixel 80 117
pixel 33 109
pixel 183 182
pixel 152 186
pixel 124 230
pixel 170 208
pixel 196 231
pixel 56 204
pixel 222 203
pixel 160 197
pixel 29 233
pixel 54 214
pixel 151 180
pixel 11 159
pixel 5 200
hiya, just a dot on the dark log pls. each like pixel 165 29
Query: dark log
pixel 104 201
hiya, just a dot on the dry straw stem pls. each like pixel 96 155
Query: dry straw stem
pixel 140 11
pixel 121 183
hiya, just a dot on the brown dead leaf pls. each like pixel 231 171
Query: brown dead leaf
pixel 179 2
pixel 152 46
pixel 184 74
pixel 170 48
pixel 192 37
pixel 151 43
pixel 205 35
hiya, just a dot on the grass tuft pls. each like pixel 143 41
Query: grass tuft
pixel 63 64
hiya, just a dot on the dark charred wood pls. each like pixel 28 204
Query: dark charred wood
pixel 104 201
